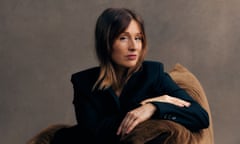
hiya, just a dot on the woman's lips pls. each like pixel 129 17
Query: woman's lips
pixel 131 57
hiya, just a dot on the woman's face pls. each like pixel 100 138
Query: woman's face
pixel 127 46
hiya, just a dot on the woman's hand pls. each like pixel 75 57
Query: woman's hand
pixel 144 112
pixel 134 117
pixel 168 99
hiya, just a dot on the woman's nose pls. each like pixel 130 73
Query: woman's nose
pixel 132 45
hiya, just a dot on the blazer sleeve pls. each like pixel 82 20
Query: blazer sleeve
pixel 89 118
pixel 193 117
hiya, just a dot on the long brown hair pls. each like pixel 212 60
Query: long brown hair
pixel 110 24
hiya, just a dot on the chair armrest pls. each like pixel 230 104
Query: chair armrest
pixel 150 129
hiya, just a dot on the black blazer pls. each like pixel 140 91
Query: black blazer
pixel 100 112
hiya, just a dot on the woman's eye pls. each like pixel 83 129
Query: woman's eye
pixel 123 38
pixel 138 38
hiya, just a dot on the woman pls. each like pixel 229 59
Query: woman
pixel 124 90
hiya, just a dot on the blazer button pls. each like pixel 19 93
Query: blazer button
pixel 174 118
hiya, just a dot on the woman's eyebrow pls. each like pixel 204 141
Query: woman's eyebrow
pixel 124 33
pixel 138 33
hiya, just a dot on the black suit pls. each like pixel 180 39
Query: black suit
pixel 100 112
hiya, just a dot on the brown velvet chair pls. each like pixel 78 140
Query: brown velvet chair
pixel 148 130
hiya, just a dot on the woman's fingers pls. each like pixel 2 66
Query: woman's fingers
pixel 168 99
pixel 133 124
pixel 134 117
pixel 127 123
pixel 179 102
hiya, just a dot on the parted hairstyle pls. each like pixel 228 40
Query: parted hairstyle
pixel 110 24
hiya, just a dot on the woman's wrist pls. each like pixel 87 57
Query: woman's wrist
pixel 150 105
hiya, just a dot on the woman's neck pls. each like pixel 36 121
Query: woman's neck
pixel 121 76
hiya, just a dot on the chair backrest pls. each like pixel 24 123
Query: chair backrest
pixel 188 81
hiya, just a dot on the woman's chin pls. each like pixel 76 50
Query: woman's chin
pixel 131 64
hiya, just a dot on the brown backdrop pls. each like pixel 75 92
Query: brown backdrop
pixel 42 42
